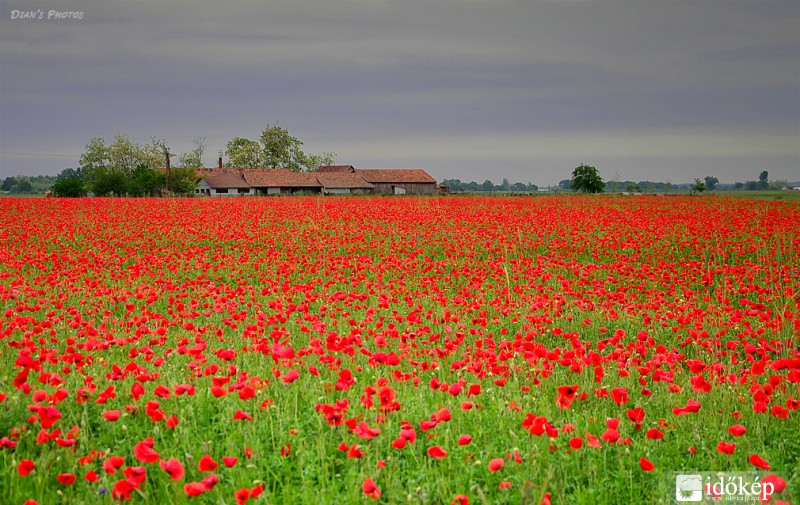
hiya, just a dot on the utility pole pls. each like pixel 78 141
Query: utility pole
pixel 166 155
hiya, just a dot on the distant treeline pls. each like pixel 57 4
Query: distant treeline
pixel 456 186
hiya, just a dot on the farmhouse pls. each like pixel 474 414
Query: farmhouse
pixel 334 179
pixel 224 182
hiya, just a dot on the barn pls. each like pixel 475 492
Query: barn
pixel 344 183
pixel 282 181
pixel 396 181
pixel 336 169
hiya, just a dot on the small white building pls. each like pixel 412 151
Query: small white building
pixel 224 182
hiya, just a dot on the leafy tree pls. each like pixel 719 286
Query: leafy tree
pixel 586 180
pixel 194 158
pixel 183 181
pixel 70 187
pixel 763 180
pixel 108 182
pixel 23 185
pixel 711 183
pixel 632 187
pixel 313 162
pixel 738 185
pixel 455 185
pixel 698 186
pixel 519 186
pixel 281 150
pixel 614 184
pixel 122 155
pixel 565 184
pixel 244 153
pixel 8 184
pixel 487 185
pixel 278 149
pixel 145 181
pixel 751 185
pixel 68 173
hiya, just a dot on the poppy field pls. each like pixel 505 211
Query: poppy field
pixel 395 350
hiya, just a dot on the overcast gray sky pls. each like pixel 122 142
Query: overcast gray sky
pixel 643 90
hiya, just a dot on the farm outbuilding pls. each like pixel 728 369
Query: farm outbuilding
pixel 338 179
pixel 281 181
pixel 344 183
pixel 336 169
pixel 397 181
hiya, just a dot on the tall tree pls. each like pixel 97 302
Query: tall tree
pixel 244 153
pixel 281 150
pixel 711 183
pixel 586 179
pixel 763 180
pixel 70 187
pixel 194 158
pixel 698 186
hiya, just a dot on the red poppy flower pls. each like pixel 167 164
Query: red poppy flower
pixel 737 430
pixel 464 439
pixel 121 490
pixel 25 467
pixel 111 415
pixel 460 499
pixel 207 464
pixel 758 461
pixel 646 465
pixel 496 464
pixel 291 376
pixel 144 451
pixel 437 452
pixel 241 495
pixel 66 479
pixel 619 395
pixel 654 434
pixel 173 467
pixel 194 488
pixel 240 415
pixel 726 448
pixel 576 442
pixel 370 488
pixel 229 461
pixel 778 484
pixel 112 464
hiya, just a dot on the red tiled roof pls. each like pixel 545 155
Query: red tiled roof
pixel 226 179
pixel 336 168
pixel 343 181
pixel 399 175
pixel 280 178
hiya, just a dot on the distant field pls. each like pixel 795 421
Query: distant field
pixel 321 350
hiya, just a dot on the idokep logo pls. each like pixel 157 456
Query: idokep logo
pixel 689 488
pixel 715 487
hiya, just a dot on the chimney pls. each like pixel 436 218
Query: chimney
pixel 220 162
